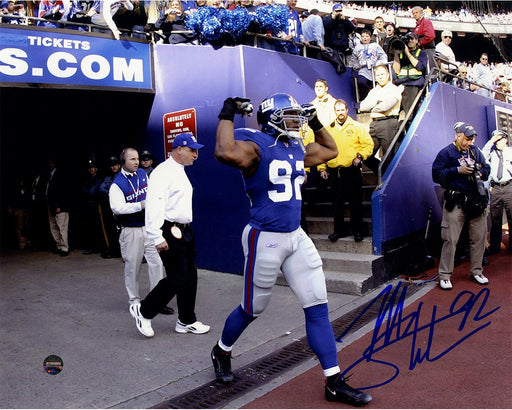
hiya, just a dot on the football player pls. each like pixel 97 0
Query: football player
pixel 272 163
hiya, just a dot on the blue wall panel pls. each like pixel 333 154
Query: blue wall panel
pixel 207 77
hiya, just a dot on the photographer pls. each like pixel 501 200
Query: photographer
pixel 460 169
pixel 410 67
pixel 337 28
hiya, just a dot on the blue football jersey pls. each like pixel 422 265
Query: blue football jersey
pixel 275 188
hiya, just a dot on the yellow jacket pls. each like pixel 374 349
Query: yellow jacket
pixel 308 136
pixel 351 138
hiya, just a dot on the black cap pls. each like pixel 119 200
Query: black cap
pixel 113 160
pixel 144 155
pixel 91 164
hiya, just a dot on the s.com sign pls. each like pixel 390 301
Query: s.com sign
pixel 52 57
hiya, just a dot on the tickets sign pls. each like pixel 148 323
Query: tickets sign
pixel 53 57
pixel 176 123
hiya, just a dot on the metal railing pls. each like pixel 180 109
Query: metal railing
pixel 153 36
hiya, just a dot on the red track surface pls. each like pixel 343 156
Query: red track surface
pixel 476 373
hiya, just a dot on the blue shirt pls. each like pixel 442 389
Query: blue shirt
pixel 313 29
pixel 275 188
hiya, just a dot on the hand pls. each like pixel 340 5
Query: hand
pixel 245 107
pixel 143 204
pixel 235 105
pixel 309 111
pixel 356 161
pixel 162 246
pixel 465 169
pixel 324 175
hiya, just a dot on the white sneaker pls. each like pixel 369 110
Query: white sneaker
pixel 481 279
pixel 197 327
pixel 445 284
pixel 143 324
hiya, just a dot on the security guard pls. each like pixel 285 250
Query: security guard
pixel 146 161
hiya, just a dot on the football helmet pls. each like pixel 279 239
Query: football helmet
pixel 275 111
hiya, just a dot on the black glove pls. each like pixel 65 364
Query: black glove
pixel 309 111
pixel 231 108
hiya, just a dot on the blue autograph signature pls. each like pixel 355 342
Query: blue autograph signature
pixel 393 326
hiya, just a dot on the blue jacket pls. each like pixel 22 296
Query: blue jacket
pixel 444 168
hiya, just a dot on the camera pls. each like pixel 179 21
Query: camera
pixel 478 179
pixel 398 45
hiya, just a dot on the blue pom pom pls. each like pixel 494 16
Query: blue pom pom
pixel 272 17
pixel 213 24
pixel 238 22
pixel 207 22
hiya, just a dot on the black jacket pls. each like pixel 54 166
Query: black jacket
pixel 336 32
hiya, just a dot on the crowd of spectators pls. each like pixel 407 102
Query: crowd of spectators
pixel 221 23
pixel 400 10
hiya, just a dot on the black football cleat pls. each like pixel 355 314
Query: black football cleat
pixel 340 391
pixel 222 364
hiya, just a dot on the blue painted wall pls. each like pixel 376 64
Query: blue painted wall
pixel 202 78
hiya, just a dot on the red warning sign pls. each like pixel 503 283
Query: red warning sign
pixel 176 123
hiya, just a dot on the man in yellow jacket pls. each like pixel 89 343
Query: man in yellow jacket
pixel 324 103
pixel 354 146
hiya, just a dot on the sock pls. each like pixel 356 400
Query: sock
pixel 235 324
pixel 321 337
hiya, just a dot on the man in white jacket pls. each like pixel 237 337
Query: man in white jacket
pixel 383 104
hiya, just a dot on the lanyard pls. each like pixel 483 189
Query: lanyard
pixel 136 192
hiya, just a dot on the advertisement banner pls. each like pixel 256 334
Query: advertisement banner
pixel 52 57
pixel 176 123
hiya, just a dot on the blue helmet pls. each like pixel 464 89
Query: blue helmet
pixel 275 110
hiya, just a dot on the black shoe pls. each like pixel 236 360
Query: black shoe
pixel 340 391
pixel 166 310
pixel 56 251
pixel 88 252
pixel 106 255
pixel 64 253
pixel 358 237
pixel 222 364
pixel 333 237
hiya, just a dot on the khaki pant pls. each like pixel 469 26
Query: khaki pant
pixel 451 227
pixel 135 245
pixel 59 229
